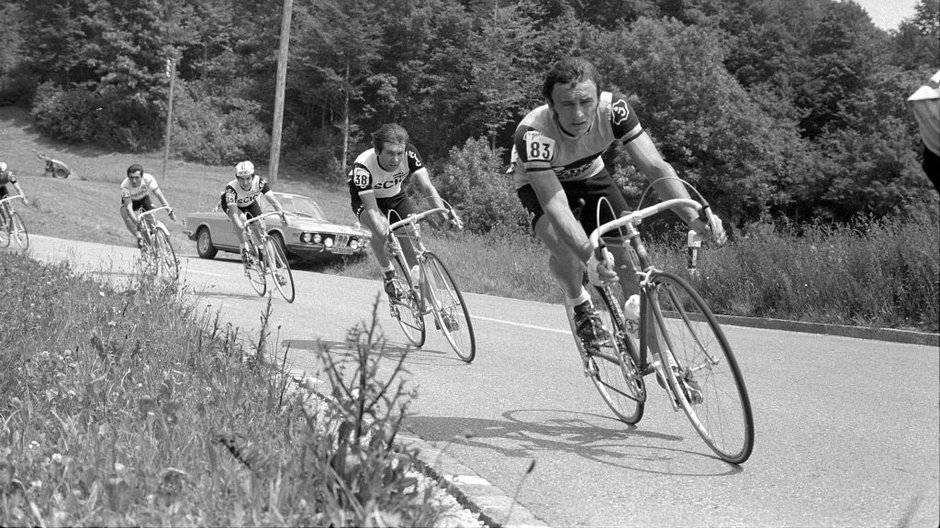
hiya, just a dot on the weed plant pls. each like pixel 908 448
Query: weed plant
pixel 877 273
pixel 127 407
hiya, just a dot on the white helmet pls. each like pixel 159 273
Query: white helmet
pixel 3 166
pixel 245 168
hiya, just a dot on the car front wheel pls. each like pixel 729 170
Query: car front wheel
pixel 204 247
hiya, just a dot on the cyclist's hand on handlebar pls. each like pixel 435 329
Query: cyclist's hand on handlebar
pixel 455 221
pixel 172 214
pixel 714 229
pixel 283 219
pixel 600 268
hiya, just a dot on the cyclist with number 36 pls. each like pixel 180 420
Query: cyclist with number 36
pixel 558 169
pixel 240 200
pixel 375 189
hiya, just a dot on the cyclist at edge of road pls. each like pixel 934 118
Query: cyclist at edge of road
pixel 135 197
pixel 557 169
pixel 375 188
pixel 240 201
pixel 8 178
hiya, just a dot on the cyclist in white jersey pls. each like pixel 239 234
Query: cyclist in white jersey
pixel 8 178
pixel 135 196
pixel 375 188
pixel 240 200
pixel 558 170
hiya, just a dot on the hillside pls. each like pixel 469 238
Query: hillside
pixel 85 206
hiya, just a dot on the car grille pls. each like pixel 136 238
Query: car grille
pixel 341 241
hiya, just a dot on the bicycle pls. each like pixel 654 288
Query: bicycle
pixel 434 291
pixel 157 252
pixel 266 258
pixel 693 361
pixel 13 228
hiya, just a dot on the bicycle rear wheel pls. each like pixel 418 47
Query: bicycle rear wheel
pixel 280 270
pixel 18 233
pixel 618 379
pixel 256 271
pixel 408 310
pixel 165 254
pixel 705 378
pixel 450 310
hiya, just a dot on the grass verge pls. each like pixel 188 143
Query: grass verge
pixel 127 407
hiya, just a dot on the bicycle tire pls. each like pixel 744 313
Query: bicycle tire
pixel 165 254
pixel 450 311
pixel 256 272
pixel 280 270
pixel 18 231
pixel 706 379
pixel 5 232
pixel 618 379
pixel 409 310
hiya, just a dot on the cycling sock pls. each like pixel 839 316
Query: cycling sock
pixel 389 274
pixel 583 296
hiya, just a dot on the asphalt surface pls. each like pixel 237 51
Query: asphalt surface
pixel 848 427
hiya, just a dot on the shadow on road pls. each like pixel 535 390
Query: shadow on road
pixel 535 433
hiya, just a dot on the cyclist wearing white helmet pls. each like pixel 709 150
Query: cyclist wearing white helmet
pixel 240 200
pixel 135 196
pixel 8 178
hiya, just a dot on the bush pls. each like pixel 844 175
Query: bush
pixel 216 130
pixel 102 118
pixel 474 180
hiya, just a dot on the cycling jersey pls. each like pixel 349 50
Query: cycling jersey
pixel 367 176
pixel 137 192
pixel 7 177
pixel 541 146
pixel 244 199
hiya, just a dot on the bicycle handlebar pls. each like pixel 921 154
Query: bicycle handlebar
pixel 260 217
pixel 636 217
pixel 142 214
pixel 415 218
pixel 14 197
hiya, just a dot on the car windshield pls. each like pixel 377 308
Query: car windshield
pixel 299 205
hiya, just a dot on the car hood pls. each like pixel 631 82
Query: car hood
pixel 307 224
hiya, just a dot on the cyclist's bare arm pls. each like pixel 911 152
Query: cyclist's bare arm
pixel 16 185
pixel 651 163
pixel 164 202
pixel 554 203
pixel 269 196
pixel 428 189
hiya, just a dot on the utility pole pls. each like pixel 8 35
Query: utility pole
pixel 171 72
pixel 279 91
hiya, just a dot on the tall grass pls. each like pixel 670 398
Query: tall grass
pixel 878 273
pixel 131 407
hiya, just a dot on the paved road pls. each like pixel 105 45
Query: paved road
pixel 848 430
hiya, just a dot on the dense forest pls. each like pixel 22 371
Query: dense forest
pixel 779 110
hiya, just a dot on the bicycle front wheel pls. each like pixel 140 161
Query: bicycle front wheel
pixel 450 310
pixel 618 379
pixel 408 310
pixel 18 233
pixel 704 375
pixel 255 271
pixel 280 270
pixel 5 229
pixel 165 254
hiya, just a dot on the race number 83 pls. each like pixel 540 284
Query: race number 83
pixel 539 150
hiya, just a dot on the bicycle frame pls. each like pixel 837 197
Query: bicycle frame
pixel 253 229
pixel 411 223
pixel 146 218
pixel 7 203
pixel 628 223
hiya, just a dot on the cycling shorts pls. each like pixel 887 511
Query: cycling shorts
pixel 590 191
pixel 4 192
pixel 401 204
pixel 144 204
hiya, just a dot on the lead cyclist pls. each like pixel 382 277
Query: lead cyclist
pixel 557 168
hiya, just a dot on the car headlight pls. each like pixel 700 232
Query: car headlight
pixel 354 244
pixel 328 242
pixel 316 238
pixel 305 238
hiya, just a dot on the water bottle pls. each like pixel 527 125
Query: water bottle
pixel 631 313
